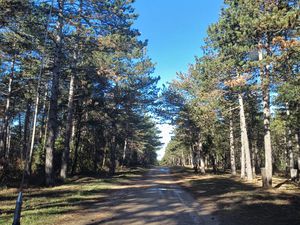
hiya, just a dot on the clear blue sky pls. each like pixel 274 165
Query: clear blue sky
pixel 175 30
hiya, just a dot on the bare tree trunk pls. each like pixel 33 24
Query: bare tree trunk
pixel 29 159
pixel 8 139
pixel 194 158
pixel 76 147
pixel 26 129
pixel 68 133
pixel 289 140
pixel 20 136
pixel 254 158
pixel 214 163
pixel 245 141
pixel 3 141
pixel 201 159
pixel 113 148
pixel 52 121
pixel 183 158
pixel 297 140
pixel 265 83
pixel 232 150
pixel 124 152
pixel 44 112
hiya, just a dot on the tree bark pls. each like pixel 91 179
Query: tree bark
pixel 201 159
pixel 3 141
pixel 112 163
pixel 245 141
pixel 254 158
pixel 194 158
pixel 68 133
pixel 20 136
pixel 52 121
pixel 265 84
pixel 26 129
pixel 77 142
pixel 232 150
pixel 289 140
pixel 124 152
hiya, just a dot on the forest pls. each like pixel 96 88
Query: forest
pixel 77 90
pixel 81 106
pixel 78 94
pixel 238 106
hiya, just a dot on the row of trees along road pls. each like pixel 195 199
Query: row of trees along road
pixel 243 93
pixel 76 89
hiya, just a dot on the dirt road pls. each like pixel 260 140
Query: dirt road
pixel 155 199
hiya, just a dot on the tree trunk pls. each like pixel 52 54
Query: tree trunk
pixel 44 113
pixel 214 163
pixel 254 158
pixel 289 140
pixel 201 159
pixel 26 129
pixel 52 121
pixel 194 159
pixel 124 152
pixel 68 133
pixel 3 141
pixel 8 139
pixel 245 141
pixel 29 159
pixel 232 150
pixel 265 83
pixel 76 147
pixel 112 163
pixel 20 137
pixel 297 140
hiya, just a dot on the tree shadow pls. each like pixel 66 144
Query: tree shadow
pixel 241 203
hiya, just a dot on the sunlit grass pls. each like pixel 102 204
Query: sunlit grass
pixel 47 205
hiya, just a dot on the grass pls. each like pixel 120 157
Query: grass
pixel 49 205
pixel 242 203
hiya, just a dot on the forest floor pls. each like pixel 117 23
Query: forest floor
pixel 235 202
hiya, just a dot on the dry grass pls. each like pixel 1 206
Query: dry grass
pixel 242 203
pixel 50 205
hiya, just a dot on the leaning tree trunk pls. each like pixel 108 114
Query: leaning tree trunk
pixel 232 150
pixel 52 120
pixel 265 83
pixel 245 141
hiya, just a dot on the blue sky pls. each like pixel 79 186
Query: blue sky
pixel 175 30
